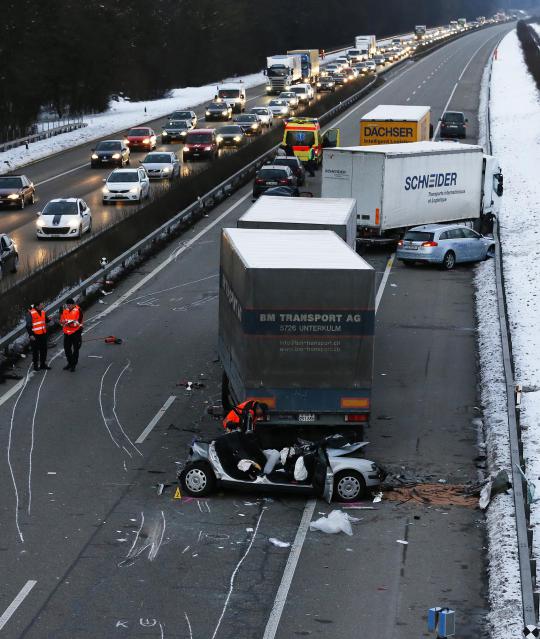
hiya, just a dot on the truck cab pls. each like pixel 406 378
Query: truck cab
pixel 234 95
pixel 302 134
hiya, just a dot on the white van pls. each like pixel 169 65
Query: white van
pixel 233 94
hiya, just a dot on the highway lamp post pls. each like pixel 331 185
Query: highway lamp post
pixel 442 621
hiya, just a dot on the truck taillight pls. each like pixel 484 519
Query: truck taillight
pixel 429 244
pixel 357 418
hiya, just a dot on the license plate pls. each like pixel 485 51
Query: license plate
pixel 271 183
pixel 306 417
pixel 411 247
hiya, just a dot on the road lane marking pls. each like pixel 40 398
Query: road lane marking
pixel 296 548
pixel 288 573
pixel 55 177
pixel 458 81
pixel 155 420
pixel 384 280
pixel 171 258
pixel 23 593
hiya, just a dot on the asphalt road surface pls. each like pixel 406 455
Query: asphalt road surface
pixel 88 547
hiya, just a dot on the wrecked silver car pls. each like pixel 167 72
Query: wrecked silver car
pixel 331 468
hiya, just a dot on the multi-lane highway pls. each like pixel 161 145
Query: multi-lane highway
pixel 68 174
pixel 89 548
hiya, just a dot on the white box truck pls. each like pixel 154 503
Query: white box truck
pixel 282 71
pixel 397 186
pixel 298 213
pixel 367 45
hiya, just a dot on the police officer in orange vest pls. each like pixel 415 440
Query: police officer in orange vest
pixel 36 325
pixel 71 320
pixel 239 416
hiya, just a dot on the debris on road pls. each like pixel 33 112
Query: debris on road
pixel 377 498
pixel 278 543
pixel 337 521
pixel 403 542
pixel 434 494
pixel 494 486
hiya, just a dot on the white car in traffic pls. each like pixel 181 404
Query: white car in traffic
pixel 280 108
pixel 64 217
pixel 304 92
pixel 161 164
pixel 126 185
pixel 265 115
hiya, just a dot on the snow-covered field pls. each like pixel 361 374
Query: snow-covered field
pixel 515 135
pixel 118 117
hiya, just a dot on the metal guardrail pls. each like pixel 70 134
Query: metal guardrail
pixel 42 135
pixel 192 212
pixel 522 506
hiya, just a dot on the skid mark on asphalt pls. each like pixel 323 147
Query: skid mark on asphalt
pixel 235 572
pixel 110 417
pixel 11 425
pixel 147 537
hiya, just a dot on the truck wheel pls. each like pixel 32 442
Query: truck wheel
pixel 449 261
pixel 197 480
pixel 349 485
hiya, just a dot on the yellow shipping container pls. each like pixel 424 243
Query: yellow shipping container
pixel 395 124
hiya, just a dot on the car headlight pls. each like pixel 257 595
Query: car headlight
pixel 268 87
pixel 105 190
pixel 207 148
pixel 318 84
pixel 116 156
pixel 254 125
pixel 166 169
pixel 237 138
pixel 208 113
pixel 146 141
pixel 219 138
pixel 73 224
pixel 186 149
pixel 164 133
pixel 13 196
pixel 134 189
pixel 284 110
pixel 126 141
pixel 224 112
pixel 40 223
pixel 183 133
pixel 95 156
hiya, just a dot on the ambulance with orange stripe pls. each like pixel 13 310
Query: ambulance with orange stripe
pixel 303 134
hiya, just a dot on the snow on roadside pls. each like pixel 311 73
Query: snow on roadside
pixel 506 613
pixel 515 103
pixel 118 117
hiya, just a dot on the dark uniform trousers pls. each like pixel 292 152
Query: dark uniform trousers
pixel 72 345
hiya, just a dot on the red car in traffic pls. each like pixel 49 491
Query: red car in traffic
pixel 142 137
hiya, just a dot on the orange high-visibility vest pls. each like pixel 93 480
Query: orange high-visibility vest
pixel 235 415
pixel 39 325
pixel 68 326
